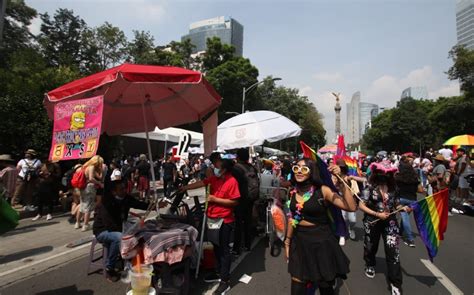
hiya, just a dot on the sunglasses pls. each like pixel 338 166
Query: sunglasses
pixel 301 169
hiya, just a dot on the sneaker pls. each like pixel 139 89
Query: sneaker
pixel 342 241
pixel 395 290
pixel 212 278
pixel 457 211
pixel 30 208
pixel 352 234
pixel 111 275
pixel 49 217
pixel 450 214
pixel 370 272
pixel 37 217
pixel 410 243
pixel 85 227
pixel 222 289
pixel 77 225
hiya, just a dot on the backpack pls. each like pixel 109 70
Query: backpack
pixel 31 171
pixel 252 180
pixel 79 179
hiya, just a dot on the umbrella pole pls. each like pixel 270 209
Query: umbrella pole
pixel 152 169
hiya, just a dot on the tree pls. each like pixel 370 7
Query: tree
pixel 216 54
pixel 142 45
pixel 463 68
pixel 111 45
pixel 16 35
pixel 62 39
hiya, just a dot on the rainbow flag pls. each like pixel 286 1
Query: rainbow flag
pixel 338 224
pixel 431 216
pixel 352 165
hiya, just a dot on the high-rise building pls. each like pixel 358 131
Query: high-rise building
pixel 465 23
pixel 353 118
pixel 359 118
pixel 227 29
pixel 415 92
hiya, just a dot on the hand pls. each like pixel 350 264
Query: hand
pixel 211 199
pixel 407 209
pixel 383 215
pixel 334 169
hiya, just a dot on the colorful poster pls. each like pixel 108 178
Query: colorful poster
pixel 77 126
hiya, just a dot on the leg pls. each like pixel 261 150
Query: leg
pixel 247 224
pixel 19 191
pixel 40 203
pixel 111 240
pixel 371 241
pixel 225 256
pixel 238 228
pixel 392 252
pixel 327 288
pixel 297 287
pixel 406 220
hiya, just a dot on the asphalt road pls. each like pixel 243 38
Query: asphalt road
pixel 454 262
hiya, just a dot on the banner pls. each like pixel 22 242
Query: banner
pixel 77 126
pixel 209 128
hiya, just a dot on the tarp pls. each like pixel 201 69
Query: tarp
pixel 171 134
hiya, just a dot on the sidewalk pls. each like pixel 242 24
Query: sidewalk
pixel 37 246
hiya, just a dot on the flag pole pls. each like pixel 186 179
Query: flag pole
pixel 401 209
pixel 350 188
pixel 201 240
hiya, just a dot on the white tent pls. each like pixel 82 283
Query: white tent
pixel 254 128
pixel 169 134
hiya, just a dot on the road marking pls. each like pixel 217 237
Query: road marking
pixel 442 278
pixel 234 265
pixel 44 259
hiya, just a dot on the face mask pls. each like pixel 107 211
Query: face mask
pixel 118 198
pixel 217 172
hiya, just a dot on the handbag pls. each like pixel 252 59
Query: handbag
pixel 213 229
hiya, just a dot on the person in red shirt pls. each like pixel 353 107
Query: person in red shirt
pixel 223 197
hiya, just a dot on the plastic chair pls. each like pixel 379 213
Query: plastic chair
pixel 99 261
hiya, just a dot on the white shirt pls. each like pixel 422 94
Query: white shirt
pixel 447 153
pixel 116 175
pixel 25 163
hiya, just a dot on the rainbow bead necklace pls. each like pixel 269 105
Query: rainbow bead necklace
pixel 296 217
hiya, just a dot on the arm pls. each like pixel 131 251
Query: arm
pixel 358 178
pixel 223 202
pixel 195 185
pixel 346 202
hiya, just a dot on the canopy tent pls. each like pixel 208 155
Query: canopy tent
pixel 171 134
pixel 330 148
pixel 254 128
pixel 270 151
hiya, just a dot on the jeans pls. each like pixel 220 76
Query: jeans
pixel 111 240
pixel 222 252
pixel 349 218
pixel 406 226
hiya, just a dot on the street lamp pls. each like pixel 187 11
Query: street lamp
pixel 244 91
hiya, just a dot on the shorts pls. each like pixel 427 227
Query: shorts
pixel 463 184
pixel 88 198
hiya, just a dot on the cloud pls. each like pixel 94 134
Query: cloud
pixel 329 77
pixel 451 90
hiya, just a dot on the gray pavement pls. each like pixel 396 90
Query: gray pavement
pixel 453 270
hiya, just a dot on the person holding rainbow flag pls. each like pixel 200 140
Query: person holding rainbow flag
pixel 313 253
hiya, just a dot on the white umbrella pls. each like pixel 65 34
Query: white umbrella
pixel 253 128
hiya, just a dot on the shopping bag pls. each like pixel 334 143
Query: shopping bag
pixel 9 217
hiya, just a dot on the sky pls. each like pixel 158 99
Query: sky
pixel 377 47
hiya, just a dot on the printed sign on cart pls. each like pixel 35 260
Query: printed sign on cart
pixel 76 131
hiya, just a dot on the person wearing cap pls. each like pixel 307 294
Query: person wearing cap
pixel 439 176
pixel 27 179
pixel 380 200
pixel 8 175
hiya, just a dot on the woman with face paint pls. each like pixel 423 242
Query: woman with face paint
pixel 313 253
pixel 380 200
pixel 223 197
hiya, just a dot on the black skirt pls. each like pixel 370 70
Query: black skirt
pixel 315 255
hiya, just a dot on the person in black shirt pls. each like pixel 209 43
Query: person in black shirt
pixel 379 201
pixel 169 175
pixel 109 216
pixel 408 185
pixel 142 170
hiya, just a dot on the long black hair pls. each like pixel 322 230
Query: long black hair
pixel 314 175
pixel 406 173
pixel 378 177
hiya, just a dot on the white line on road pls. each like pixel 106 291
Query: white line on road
pixel 442 278
pixel 43 260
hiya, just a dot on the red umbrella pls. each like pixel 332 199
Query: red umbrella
pixel 135 95
pixel 137 98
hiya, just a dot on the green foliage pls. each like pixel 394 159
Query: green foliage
pixel 416 125
pixel 463 68
pixel 110 44
pixel 139 49
pixel 216 54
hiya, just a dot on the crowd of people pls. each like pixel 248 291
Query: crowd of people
pixel 384 184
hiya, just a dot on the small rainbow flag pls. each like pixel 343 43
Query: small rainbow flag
pixel 352 165
pixel 431 216
pixel 338 224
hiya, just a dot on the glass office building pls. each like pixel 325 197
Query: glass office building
pixel 465 23
pixel 415 92
pixel 359 118
pixel 227 29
